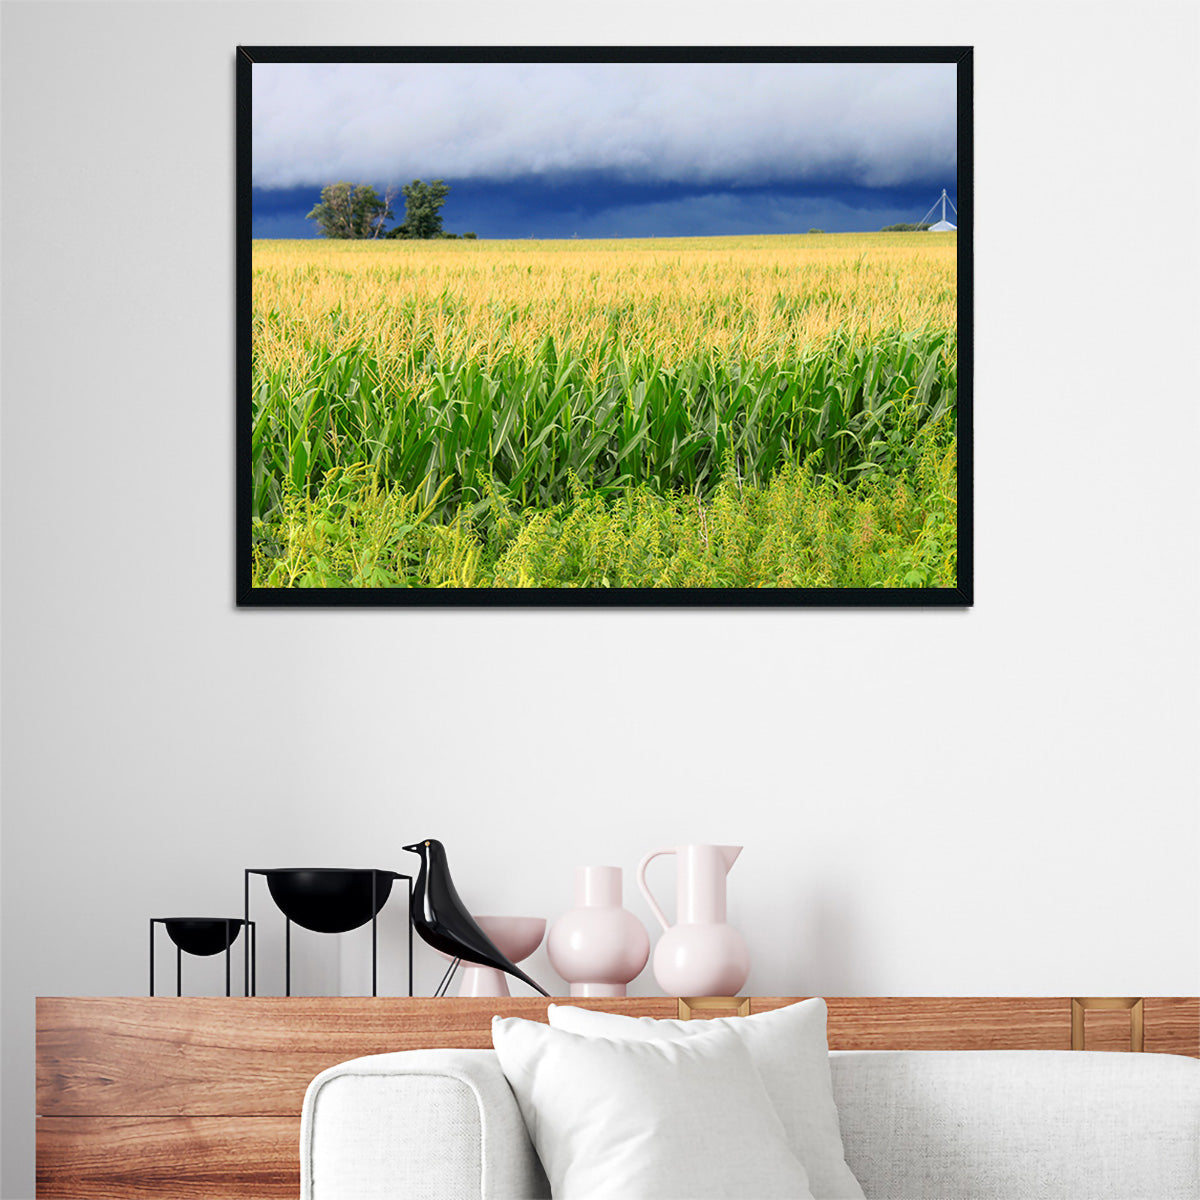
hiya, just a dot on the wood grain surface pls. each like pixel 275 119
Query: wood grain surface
pixel 199 1097
pixel 168 1056
pixel 213 1158
pixel 949 1023
pixel 1172 1025
pixel 255 1056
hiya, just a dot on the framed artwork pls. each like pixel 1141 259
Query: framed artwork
pixel 604 326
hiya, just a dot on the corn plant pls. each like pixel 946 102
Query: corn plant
pixel 483 381
pixel 528 424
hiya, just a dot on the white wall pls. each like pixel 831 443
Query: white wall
pixel 1000 801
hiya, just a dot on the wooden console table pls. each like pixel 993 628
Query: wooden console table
pixel 183 1098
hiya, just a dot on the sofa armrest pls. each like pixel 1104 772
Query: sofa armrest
pixel 418 1123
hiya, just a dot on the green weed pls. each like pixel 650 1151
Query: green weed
pixel 797 529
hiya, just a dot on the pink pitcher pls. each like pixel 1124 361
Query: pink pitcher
pixel 702 954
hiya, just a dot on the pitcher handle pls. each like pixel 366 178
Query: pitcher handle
pixel 641 878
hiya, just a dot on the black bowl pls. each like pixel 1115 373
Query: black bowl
pixel 203 935
pixel 329 899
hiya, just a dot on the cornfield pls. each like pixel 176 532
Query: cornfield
pixel 485 377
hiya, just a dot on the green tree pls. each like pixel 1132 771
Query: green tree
pixel 422 205
pixel 350 211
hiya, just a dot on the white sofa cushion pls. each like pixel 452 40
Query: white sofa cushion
pixel 917 1125
pixel 788 1047
pixel 648 1120
pixel 1033 1124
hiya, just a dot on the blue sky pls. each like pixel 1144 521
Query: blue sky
pixel 552 150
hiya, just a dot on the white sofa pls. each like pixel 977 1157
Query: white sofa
pixel 916 1125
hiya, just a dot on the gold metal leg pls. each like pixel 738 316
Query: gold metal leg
pixel 1137 1018
pixel 691 1004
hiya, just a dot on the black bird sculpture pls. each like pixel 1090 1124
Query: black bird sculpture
pixel 442 920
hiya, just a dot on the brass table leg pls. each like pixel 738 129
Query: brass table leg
pixel 1137 1018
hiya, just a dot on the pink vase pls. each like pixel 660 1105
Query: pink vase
pixel 701 954
pixel 515 937
pixel 598 946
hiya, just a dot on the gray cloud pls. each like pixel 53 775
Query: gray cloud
pixel 875 125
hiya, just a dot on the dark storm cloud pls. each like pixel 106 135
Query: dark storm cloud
pixel 593 205
pixel 873 125
pixel 729 214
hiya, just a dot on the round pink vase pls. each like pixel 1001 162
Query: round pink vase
pixel 598 946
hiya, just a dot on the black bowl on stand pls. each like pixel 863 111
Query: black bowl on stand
pixel 328 900
pixel 201 937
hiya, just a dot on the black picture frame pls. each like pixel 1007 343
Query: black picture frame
pixel 960 596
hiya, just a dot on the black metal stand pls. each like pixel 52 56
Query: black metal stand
pixel 326 900
pixel 444 986
pixel 201 937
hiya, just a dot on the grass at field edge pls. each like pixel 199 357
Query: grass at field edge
pixel 799 529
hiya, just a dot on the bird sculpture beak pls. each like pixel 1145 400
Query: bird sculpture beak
pixel 411 849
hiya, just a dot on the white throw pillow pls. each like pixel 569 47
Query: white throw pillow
pixel 790 1050
pixel 658 1120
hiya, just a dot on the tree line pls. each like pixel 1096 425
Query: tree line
pixel 358 211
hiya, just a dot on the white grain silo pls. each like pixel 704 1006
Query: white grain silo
pixel 942 226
